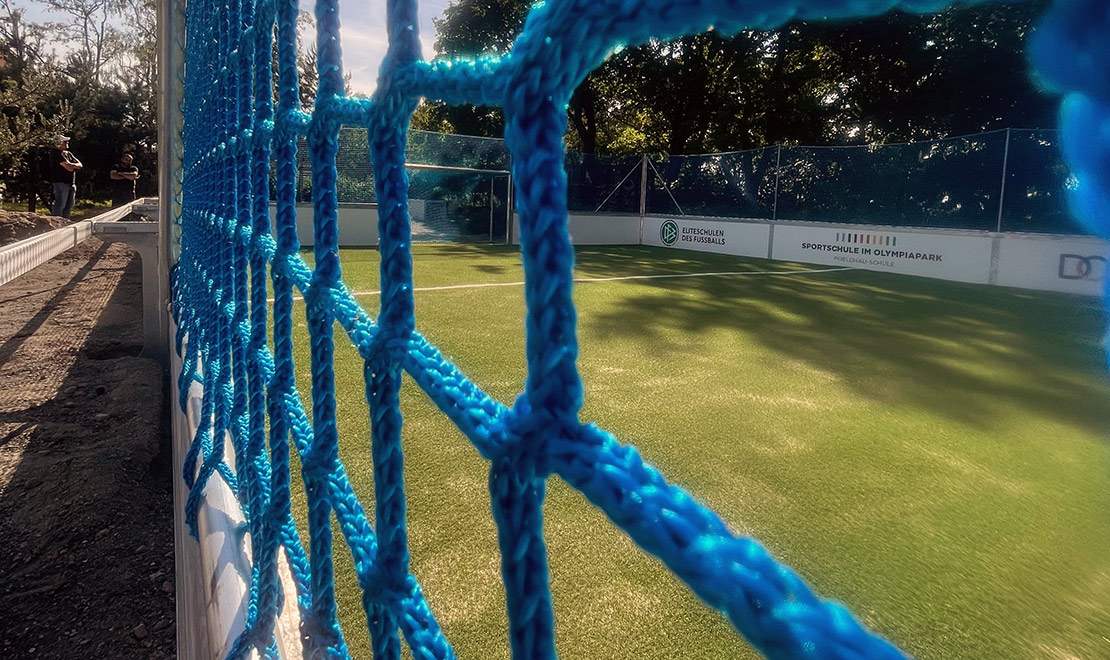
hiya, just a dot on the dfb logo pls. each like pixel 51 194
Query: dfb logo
pixel 1078 267
pixel 668 233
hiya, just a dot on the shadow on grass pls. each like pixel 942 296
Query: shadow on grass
pixel 492 270
pixel 968 352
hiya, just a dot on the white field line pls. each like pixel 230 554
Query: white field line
pixel 487 285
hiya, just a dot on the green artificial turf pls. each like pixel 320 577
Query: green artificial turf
pixel 932 454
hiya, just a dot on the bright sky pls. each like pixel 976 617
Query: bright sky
pixel 362 33
pixel 363 36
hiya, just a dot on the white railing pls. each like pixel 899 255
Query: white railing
pixel 23 256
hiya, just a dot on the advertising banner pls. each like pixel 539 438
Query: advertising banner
pixel 959 257
pixel 745 239
pixel 1070 265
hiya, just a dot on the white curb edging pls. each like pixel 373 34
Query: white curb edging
pixel 213 576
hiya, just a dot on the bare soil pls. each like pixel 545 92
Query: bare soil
pixel 86 508
pixel 16 225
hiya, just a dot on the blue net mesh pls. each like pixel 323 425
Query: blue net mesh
pixel 240 347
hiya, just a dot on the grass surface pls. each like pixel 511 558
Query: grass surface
pixel 932 454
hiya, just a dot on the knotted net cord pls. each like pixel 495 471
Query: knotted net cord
pixel 234 131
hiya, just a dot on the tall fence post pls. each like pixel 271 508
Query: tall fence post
pixel 171 38
pixel 1002 188
pixel 171 71
pixel 509 213
pixel 643 194
pixel 778 172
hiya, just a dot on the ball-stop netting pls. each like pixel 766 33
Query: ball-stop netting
pixel 239 119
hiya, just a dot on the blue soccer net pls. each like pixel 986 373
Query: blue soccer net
pixel 239 346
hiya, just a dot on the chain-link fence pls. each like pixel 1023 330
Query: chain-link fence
pixel 1007 180
pixel 950 183
pixel 458 185
pixel 1037 181
pixel 734 185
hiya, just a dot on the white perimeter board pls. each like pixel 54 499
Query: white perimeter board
pixel 1070 265
pixel 958 257
pixel 743 239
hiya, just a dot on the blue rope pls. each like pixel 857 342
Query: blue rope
pixel 230 254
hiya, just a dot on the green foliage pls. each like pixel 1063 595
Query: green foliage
pixel 891 78
pixel 470 28
pixel 29 91
pixel 90 75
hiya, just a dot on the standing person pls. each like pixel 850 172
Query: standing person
pixel 123 177
pixel 63 176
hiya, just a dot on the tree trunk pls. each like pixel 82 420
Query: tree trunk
pixel 583 115
pixel 775 130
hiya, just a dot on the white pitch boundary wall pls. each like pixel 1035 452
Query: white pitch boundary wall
pixel 358 223
pixel 22 256
pixel 596 229
pixel 1068 264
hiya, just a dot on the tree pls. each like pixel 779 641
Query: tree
pixel 92 28
pixel 139 57
pixel 22 89
pixel 137 81
pixel 101 89
pixel 893 77
pixel 472 28
pixel 907 77
pixel 26 89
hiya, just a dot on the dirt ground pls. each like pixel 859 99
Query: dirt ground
pixel 86 508
pixel 16 226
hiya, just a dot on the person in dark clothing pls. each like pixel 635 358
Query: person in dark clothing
pixel 63 176
pixel 123 177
